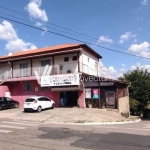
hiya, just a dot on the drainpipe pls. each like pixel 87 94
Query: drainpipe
pixel 128 96
pixel 83 91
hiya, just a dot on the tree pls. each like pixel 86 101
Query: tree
pixel 140 85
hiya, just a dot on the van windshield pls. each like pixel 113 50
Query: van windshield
pixel 29 100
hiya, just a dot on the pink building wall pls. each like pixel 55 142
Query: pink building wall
pixel 3 89
pixel 18 94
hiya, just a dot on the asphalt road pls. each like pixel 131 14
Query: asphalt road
pixel 21 135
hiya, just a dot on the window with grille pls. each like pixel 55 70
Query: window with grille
pixel 45 62
pixel 28 86
pixel 74 58
pixel 66 59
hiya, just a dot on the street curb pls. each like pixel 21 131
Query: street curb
pixel 96 123
pixel 112 123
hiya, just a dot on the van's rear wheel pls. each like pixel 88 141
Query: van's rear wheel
pixel 39 109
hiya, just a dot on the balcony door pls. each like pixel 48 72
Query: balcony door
pixel 45 63
pixel 24 70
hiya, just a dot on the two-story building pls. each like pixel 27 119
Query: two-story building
pixel 20 73
pixel 69 74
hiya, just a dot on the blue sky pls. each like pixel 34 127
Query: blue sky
pixel 121 25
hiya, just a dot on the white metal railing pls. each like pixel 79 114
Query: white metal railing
pixel 6 75
pixel 49 70
pixel 24 72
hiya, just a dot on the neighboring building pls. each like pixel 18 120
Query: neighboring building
pixel 58 69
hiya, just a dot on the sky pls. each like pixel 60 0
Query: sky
pixel 106 26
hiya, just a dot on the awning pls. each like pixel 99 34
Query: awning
pixel 66 89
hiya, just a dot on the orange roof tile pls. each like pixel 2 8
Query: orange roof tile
pixel 47 49
pixel 51 48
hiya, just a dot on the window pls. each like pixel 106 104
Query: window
pixel 24 69
pixel 46 99
pixel 45 62
pixel 27 86
pixel 45 88
pixel 29 100
pixel 41 99
pixel 96 65
pixel 74 58
pixel 66 59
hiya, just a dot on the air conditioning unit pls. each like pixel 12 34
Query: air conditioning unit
pixel 68 71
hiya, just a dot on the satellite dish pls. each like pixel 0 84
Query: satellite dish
pixel 10 54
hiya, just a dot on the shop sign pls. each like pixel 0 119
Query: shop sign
pixel 106 83
pixel 87 93
pixel 60 80
pixel 95 93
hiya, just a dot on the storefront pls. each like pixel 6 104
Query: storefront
pixel 107 93
pixel 69 87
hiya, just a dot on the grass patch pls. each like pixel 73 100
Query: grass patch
pixel 80 121
pixel 120 121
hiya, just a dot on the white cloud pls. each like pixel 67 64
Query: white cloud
pixel 35 12
pixel 126 36
pixel 122 70
pixel 105 39
pixel 19 45
pixel 109 72
pixel 123 65
pixel 39 24
pixel 7 31
pixel 144 2
pixel 135 40
pixel 45 30
pixel 142 49
pixel 141 66
pixel 14 43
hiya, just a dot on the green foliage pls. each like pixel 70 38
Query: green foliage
pixel 103 102
pixel 134 106
pixel 89 101
pixel 148 105
pixel 140 87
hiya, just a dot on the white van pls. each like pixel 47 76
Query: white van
pixel 38 103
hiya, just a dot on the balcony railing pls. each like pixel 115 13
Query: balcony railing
pixel 49 70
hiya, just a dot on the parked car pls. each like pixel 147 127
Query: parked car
pixel 6 103
pixel 146 113
pixel 38 103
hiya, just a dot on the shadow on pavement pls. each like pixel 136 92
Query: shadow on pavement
pixel 97 141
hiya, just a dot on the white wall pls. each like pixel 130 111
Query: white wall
pixel 70 65
pixel 123 105
pixel 88 67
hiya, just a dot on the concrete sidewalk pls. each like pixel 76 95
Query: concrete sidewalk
pixel 65 115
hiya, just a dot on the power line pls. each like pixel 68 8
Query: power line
pixel 72 38
pixel 85 36
pixel 46 27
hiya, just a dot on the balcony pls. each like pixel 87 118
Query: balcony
pixel 48 70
